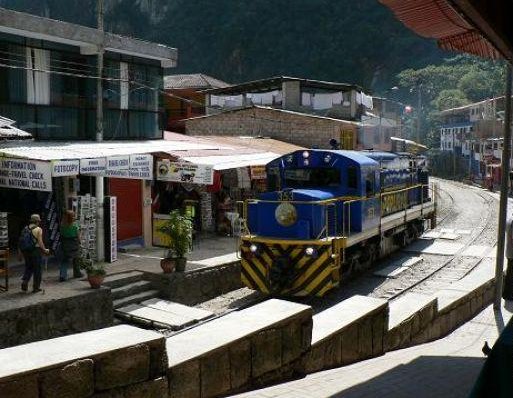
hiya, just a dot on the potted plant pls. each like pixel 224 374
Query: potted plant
pixel 178 231
pixel 95 272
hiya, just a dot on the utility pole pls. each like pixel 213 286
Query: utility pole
pixel 454 155
pixel 506 155
pixel 100 192
pixel 419 109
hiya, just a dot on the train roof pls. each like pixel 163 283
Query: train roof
pixel 356 156
pixel 381 155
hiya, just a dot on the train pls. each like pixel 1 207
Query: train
pixel 327 215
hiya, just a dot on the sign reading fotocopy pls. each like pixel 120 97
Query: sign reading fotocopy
pixel 26 174
pixel 185 172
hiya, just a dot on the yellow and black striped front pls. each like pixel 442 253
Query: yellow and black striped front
pixel 284 268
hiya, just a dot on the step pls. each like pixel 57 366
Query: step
pixel 117 280
pixel 135 299
pixel 350 331
pixel 239 349
pixel 130 289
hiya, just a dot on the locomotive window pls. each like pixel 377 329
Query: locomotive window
pixel 352 177
pixel 312 178
pixel 273 179
pixel 370 182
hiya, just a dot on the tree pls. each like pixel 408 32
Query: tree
pixel 451 98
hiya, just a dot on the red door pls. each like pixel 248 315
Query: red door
pixel 129 194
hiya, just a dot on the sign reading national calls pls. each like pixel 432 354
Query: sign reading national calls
pixel 25 174
pixel 185 172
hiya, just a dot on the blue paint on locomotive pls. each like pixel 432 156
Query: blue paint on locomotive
pixel 355 178
pixel 320 176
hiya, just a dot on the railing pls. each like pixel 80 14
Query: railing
pixel 331 225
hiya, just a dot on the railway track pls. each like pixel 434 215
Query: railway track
pixel 435 272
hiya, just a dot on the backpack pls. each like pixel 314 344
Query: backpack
pixel 27 241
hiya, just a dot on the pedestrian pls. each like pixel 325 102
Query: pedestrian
pixel 507 293
pixel 70 246
pixel 32 247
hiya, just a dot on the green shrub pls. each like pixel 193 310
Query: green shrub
pixel 179 231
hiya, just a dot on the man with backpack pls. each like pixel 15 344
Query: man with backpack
pixel 32 247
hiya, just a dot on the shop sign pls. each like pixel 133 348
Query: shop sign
pixel 95 166
pixel 118 163
pixel 63 168
pixel 138 167
pixel 258 173
pixel 141 162
pixel 185 172
pixel 26 174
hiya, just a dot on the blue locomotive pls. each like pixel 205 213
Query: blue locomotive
pixel 329 213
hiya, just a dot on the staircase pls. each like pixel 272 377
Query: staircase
pixel 129 288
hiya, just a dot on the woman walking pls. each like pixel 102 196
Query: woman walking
pixel 70 246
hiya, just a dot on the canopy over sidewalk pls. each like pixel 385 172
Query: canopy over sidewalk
pixel 477 27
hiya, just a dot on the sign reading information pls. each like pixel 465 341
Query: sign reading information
pixel 26 174
pixel 185 172
pixel 95 166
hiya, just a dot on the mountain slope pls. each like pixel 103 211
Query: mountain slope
pixel 356 41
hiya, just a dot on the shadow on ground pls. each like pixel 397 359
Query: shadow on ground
pixel 425 377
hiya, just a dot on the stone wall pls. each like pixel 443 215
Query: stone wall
pixel 81 311
pixel 118 362
pixel 198 285
pixel 243 350
pixel 302 130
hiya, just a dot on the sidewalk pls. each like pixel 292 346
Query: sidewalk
pixel 446 368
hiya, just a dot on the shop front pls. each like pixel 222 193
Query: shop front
pixel 208 189
pixel 49 186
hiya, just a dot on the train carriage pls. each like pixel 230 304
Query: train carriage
pixel 328 214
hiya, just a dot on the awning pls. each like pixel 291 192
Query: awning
pixel 454 28
pixel 45 150
pixel 234 161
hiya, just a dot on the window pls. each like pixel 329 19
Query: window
pixel 352 177
pixel 38 83
pixel 312 178
pixel 370 183
pixel 273 179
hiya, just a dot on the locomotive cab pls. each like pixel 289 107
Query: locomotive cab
pixel 317 184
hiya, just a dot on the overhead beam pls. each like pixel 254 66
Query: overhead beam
pixel 491 19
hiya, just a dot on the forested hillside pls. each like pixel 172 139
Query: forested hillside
pixel 357 41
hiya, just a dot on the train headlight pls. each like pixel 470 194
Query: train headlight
pixel 253 248
pixel 306 162
pixel 306 154
pixel 285 214
pixel 311 252
pixel 327 158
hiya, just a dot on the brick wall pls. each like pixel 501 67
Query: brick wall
pixel 296 129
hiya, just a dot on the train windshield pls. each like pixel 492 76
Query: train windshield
pixel 320 177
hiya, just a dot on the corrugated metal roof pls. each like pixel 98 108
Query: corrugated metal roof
pixel 234 161
pixel 41 150
pixel 9 132
pixel 196 80
pixel 256 143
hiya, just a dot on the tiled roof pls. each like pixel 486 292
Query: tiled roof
pixel 196 80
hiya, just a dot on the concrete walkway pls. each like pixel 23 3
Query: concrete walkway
pixel 446 368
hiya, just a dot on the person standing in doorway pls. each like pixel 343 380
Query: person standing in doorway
pixel 70 246
pixel 32 248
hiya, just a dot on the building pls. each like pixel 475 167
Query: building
pixel 48 85
pixel 472 131
pixel 185 97
pixel 303 111
pixel 329 99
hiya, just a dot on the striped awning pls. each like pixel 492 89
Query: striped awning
pixel 438 19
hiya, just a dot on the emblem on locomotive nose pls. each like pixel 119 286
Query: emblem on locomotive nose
pixel 286 214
